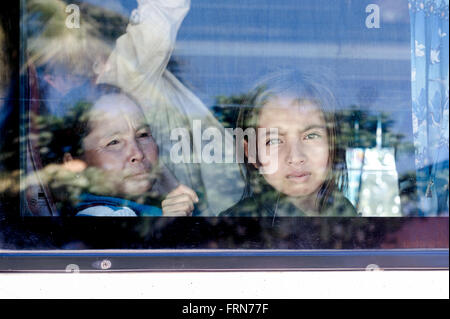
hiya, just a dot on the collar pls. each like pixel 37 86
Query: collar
pixel 90 200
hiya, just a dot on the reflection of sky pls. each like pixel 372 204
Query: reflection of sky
pixel 224 46
pixel 123 7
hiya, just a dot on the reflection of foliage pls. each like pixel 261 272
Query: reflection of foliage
pixel 175 66
pixel 51 42
pixel 9 189
pixel 60 135
pixel 67 186
pixel 358 129
pixel 408 193
pixel 227 108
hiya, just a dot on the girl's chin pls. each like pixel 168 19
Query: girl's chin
pixel 298 193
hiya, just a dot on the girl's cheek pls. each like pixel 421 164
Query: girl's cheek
pixel 269 160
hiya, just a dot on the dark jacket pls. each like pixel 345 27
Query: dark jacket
pixel 267 202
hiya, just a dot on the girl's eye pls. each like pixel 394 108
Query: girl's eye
pixel 113 142
pixel 312 136
pixel 274 141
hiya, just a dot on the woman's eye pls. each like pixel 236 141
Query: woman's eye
pixel 113 142
pixel 143 135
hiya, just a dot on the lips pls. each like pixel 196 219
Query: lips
pixel 138 175
pixel 299 176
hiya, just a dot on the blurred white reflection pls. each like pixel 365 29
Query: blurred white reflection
pixel 373 181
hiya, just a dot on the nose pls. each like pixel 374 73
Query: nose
pixel 296 154
pixel 135 152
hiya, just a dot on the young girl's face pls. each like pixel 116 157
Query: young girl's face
pixel 301 146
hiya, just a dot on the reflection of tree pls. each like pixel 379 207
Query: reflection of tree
pixel 50 41
pixel 227 108
pixel 175 66
pixel 408 193
pixel 357 126
pixel 64 59
pixel 358 129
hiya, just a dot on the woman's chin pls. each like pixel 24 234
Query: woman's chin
pixel 137 188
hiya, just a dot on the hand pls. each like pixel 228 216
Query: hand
pixel 179 202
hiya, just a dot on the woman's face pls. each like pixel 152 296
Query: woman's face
pixel 301 146
pixel 121 145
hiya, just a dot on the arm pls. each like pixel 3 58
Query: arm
pixel 142 53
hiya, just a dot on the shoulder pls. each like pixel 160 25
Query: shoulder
pixel 341 206
pixel 106 211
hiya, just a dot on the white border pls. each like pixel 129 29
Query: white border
pixel 213 285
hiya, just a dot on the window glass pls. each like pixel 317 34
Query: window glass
pixel 287 124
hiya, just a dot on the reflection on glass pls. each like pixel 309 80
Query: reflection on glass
pixel 299 169
pixel 186 63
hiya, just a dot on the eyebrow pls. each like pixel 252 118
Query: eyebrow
pixel 314 126
pixel 306 129
pixel 113 133
pixel 109 135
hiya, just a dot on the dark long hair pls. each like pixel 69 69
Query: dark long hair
pixel 303 87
